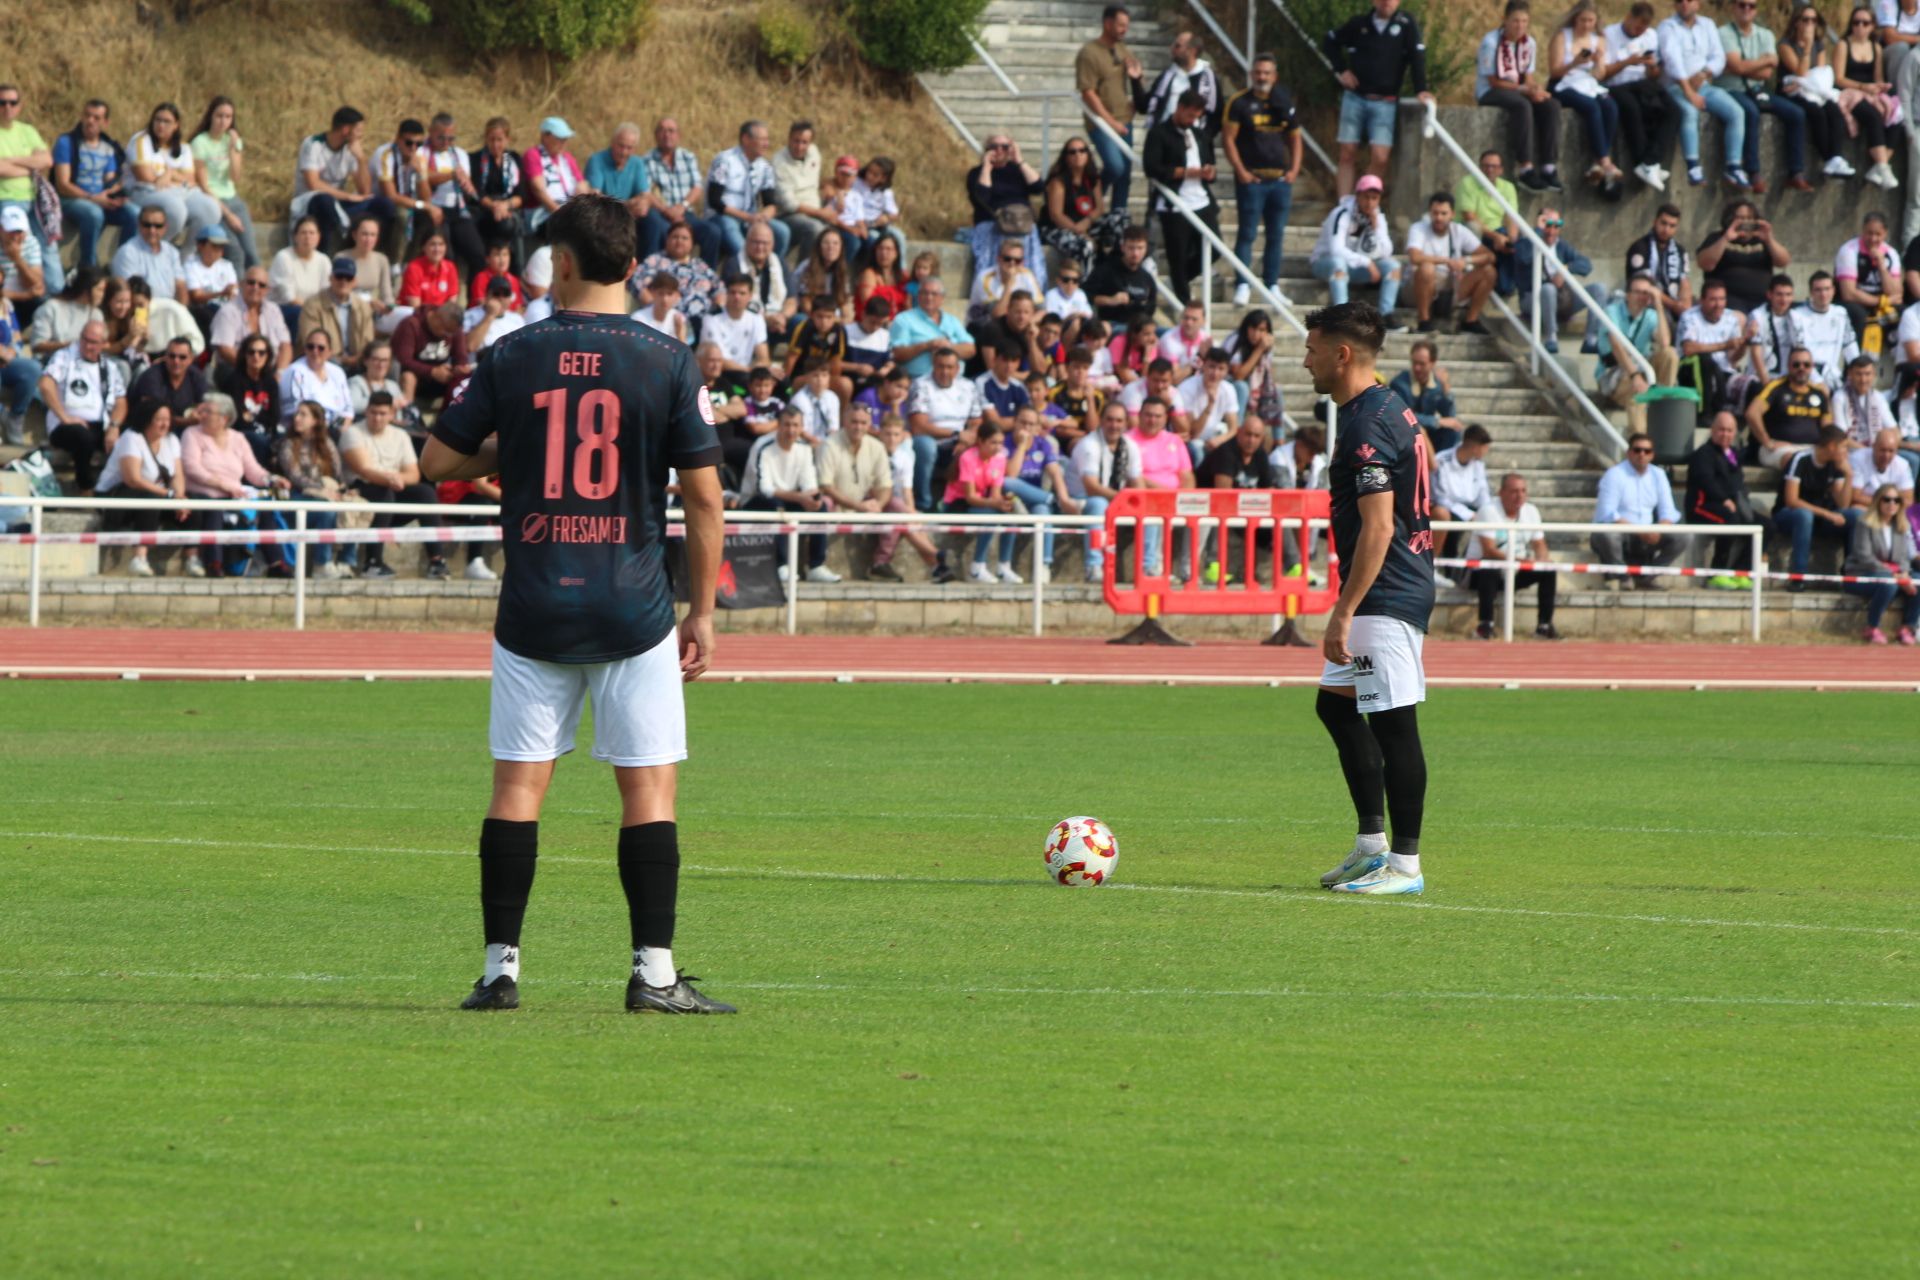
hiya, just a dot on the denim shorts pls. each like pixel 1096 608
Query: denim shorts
pixel 1365 120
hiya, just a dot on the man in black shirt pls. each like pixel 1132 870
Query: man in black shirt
pixel 1263 142
pixel 1659 256
pixel 1743 255
pixel 1373 681
pixel 1122 288
pixel 1717 494
pixel 1179 157
pixel 1815 492
pixel 1789 413
pixel 1239 462
pixel 1371 55
pixel 581 415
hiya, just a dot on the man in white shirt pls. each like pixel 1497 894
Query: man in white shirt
pixel 1157 383
pixel 1460 482
pixel 151 258
pixel 1102 464
pixel 1825 331
pixel 86 401
pixel 1648 122
pixel 796 188
pixel 494 318
pixel 742 180
pixel 1185 344
pixel 1774 331
pixel 1692 56
pixel 210 278
pixel 787 479
pixel 1210 401
pixel 1714 331
pixel 1881 464
pixel 1497 544
pixel 1859 408
pixel 1448 259
pixel 942 411
pixel 740 333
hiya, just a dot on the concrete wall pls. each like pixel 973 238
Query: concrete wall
pixel 1812 225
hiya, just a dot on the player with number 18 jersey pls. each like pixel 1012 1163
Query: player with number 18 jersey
pixel 1379 447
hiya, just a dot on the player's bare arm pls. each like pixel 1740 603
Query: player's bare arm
pixel 706 531
pixel 1376 531
pixel 441 461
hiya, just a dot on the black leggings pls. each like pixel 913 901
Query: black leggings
pixel 1827 126
pixel 1873 125
pixel 1533 128
pixel 80 441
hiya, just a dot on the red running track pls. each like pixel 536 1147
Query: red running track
pixel 205 654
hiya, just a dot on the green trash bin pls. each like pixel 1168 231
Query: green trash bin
pixel 1671 413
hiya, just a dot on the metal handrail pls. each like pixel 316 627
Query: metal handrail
pixel 1246 66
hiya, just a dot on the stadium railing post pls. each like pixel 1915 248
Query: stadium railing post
pixel 793 579
pixel 1206 283
pixel 1040 567
pixel 1506 585
pixel 300 569
pixel 1758 563
pixel 1534 355
pixel 34 525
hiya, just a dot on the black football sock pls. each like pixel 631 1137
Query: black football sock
pixel 1359 759
pixel 1398 733
pixel 650 874
pixel 508 851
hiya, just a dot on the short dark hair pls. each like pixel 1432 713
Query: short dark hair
pixel 1433 352
pixel 1153 400
pixel 1134 231
pixel 1314 436
pixel 497 242
pixel 1355 322
pixel 798 125
pixel 1639 437
pixel 1079 356
pixel 1831 436
pixel 1216 355
pixel 1191 98
pixel 898 374
pixel 1020 295
pixel 822 302
pixel 1050 318
pixel 1159 364
pixel 1817 277
pixel 1710 284
pixel 1779 278
pixel 1641 9
pixel 597 232
pixel 737 278
pixel 1875 217
pixel 1858 362
pixel 812 365
pixel 1259 58
pixel 663 280
pixel 1113 11
pixel 757 373
pixel 1518 6
pixel 380 397
pixel 1006 348
pixel 1475 434
pixel 1668 211
pixel 1440 197
pixel 346 117
pixel 410 125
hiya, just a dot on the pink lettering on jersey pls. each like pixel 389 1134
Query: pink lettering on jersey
pixel 579 364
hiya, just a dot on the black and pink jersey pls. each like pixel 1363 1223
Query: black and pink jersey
pixel 591 410
pixel 1379 448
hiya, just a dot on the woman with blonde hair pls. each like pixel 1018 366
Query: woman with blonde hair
pixel 1881 547
pixel 1577 68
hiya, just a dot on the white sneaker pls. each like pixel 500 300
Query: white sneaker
pixel 1383 882
pixel 1008 576
pixel 194 568
pixel 1837 167
pixel 479 571
pixel 781 573
pixel 1650 174
pixel 1442 581
pixel 139 568
pixel 1881 175
pixel 980 573
pixel 1242 294
pixel 821 573
pixel 1358 862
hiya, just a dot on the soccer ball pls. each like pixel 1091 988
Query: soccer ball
pixel 1081 851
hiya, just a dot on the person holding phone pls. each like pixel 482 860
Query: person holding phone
pixel 1743 255
pixel 1577 62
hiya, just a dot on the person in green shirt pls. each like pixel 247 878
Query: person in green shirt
pixel 1485 218
pixel 217 149
pixel 23 154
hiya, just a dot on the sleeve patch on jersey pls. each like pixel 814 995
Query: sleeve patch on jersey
pixel 1373 478
pixel 1364 452
pixel 705 402
pixel 459 391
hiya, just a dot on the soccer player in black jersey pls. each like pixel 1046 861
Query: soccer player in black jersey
pixel 581 415
pixel 1378 470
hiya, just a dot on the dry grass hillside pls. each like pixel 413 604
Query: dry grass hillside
pixel 289 63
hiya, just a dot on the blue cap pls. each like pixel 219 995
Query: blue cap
pixel 212 235
pixel 345 266
pixel 557 127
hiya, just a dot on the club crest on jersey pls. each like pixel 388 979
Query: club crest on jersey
pixel 1365 451
pixel 705 402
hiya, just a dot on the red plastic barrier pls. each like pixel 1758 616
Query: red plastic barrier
pixel 1230 515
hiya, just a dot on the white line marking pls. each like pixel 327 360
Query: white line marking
pixel 882 989
pixel 1277 894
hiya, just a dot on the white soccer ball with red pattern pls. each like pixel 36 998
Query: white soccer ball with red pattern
pixel 1081 851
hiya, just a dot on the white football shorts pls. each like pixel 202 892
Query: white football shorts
pixel 1386 671
pixel 639 707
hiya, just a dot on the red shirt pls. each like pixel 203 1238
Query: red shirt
pixel 432 285
pixel 477 290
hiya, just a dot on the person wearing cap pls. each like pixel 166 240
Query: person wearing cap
pixel 20 261
pixel 149 256
pixel 740 191
pixel 494 318
pixel 210 277
pixel 796 187
pixel 1355 247
pixel 342 314
pixel 553 175
pixel 846 208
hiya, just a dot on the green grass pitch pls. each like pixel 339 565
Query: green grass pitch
pixel 1656 1015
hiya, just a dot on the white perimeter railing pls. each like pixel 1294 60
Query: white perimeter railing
pixel 793 524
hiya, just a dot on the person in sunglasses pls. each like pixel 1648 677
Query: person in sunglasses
pixel 153 259
pixel 1880 546
pixel 1557 301
pixel 1790 412
pixel 175 381
pixel 1634 491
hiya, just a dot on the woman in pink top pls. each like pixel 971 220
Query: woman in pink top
pixel 1164 464
pixel 430 279
pixel 978 487
pixel 219 463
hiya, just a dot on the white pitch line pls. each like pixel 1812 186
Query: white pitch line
pixel 1187 993
pixel 1277 894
